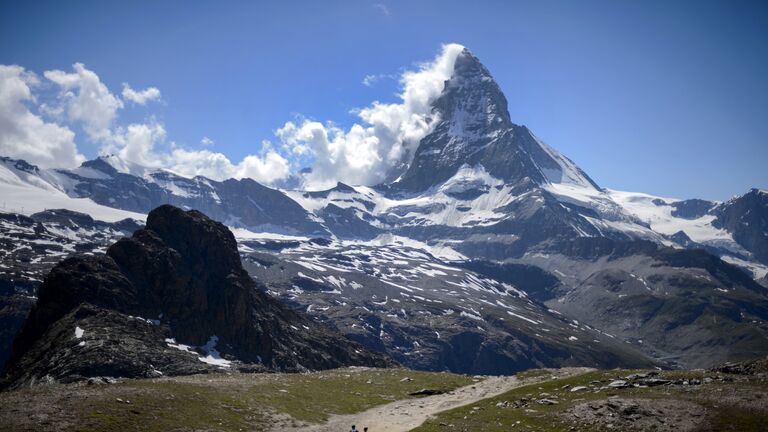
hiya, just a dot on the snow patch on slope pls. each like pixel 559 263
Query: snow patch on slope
pixel 568 173
pixel 657 212
pixel 26 193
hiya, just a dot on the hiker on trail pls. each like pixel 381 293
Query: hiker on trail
pixel 353 429
pixel 365 429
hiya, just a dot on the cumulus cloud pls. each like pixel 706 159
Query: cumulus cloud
pixel 206 142
pixel 25 135
pixel 369 152
pixel 137 142
pixel 84 99
pixel 87 100
pixel 267 168
pixel 144 144
pixel 140 97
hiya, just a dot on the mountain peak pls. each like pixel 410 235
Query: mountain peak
pixel 471 98
pixel 475 129
pixel 467 65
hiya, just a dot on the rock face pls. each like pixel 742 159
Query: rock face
pixel 174 284
pixel 747 218
pixel 680 306
pixel 31 246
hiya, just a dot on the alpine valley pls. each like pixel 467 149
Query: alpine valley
pixel 488 252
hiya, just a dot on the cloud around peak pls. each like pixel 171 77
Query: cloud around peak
pixel 373 150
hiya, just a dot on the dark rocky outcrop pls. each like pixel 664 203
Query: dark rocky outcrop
pixel 181 278
pixel 692 208
pixel 746 217
pixel 31 245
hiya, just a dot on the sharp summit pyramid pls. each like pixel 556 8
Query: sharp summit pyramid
pixel 475 129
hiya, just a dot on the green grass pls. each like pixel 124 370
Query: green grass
pixel 486 416
pixel 226 402
pixel 253 402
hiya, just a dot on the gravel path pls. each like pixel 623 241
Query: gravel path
pixel 404 415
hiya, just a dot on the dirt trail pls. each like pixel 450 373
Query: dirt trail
pixel 404 415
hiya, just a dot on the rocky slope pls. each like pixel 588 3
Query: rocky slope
pixel 31 245
pixel 426 313
pixel 139 309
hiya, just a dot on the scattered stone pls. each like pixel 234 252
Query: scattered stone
pixel 427 392
pixel 637 414
pixel 102 380
pixel 618 384
pixel 652 382
pixel 579 388
pixel 635 377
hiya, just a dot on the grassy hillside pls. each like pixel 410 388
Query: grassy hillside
pixel 734 398
pixel 226 402
pixel 690 401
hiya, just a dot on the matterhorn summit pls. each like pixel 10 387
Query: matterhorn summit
pixel 475 130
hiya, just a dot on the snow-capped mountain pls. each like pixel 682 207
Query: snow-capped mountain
pixel 475 130
pixel 489 243
pixel 116 183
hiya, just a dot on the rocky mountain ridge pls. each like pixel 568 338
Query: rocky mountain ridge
pixel 140 308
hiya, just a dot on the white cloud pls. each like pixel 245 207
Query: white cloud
pixel 25 135
pixel 84 99
pixel 87 100
pixel 206 142
pixel 382 8
pixel 138 143
pixel 267 168
pixel 371 80
pixel 140 97
pixel 368 153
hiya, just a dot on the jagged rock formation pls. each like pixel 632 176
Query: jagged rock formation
pixel 179 278
pixel 31 246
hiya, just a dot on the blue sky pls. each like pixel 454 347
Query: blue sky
pixel 668 98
